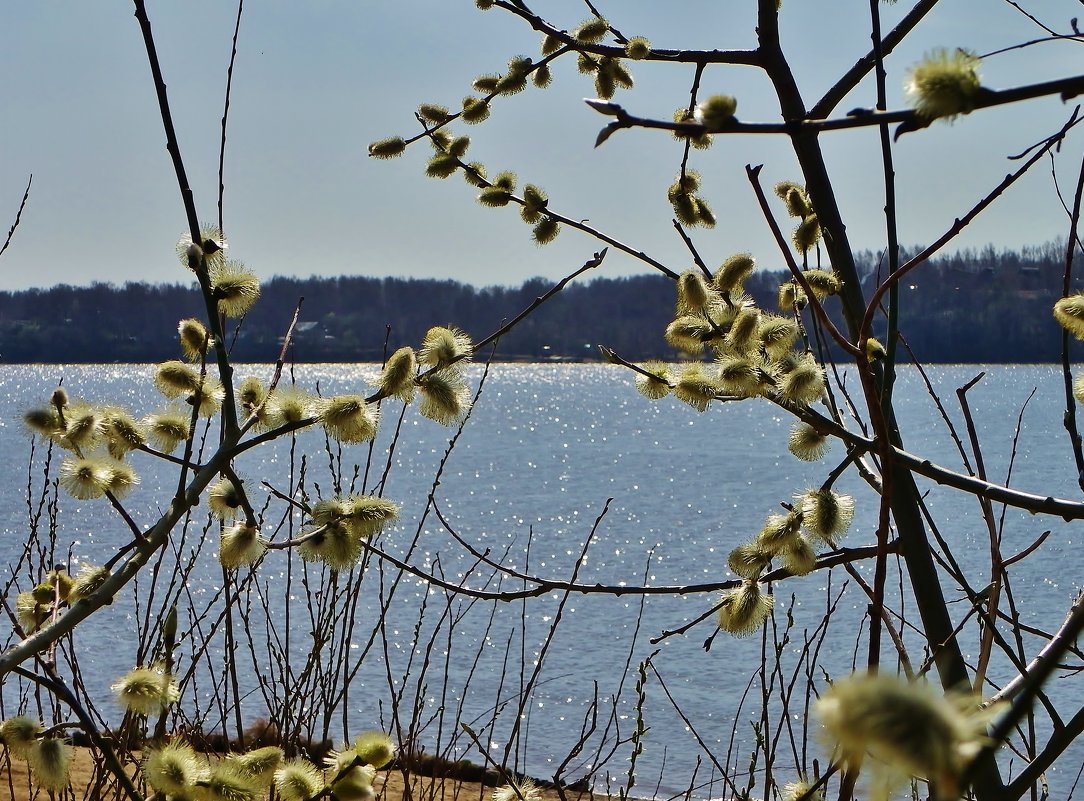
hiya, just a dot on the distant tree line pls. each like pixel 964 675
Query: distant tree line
pixel 976 306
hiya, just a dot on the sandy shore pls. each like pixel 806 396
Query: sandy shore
pixel 14 786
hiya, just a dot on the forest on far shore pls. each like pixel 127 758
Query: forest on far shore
pixel 975 306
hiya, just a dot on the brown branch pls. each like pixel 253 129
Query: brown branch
pixel 226 114
pixel 1071 244
pixel 743 57
pixel 908 119
pixel 18 215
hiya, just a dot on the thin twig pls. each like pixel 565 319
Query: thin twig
pixel 18 215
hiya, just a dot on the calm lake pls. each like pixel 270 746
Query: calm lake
pixel 545 448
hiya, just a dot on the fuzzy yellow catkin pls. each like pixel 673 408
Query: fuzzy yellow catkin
pixel 791 296
pixel 224 499
pixel 166 430
pixel 779 532
pixel 742 335
pixel 333 544
pixel 122 479
pixel 290 404
pixel 807 234
pixel 375 748
pixel 475 110
pixel 688 333
pixel 794 198
pixel 87 580
pixel 799 558
pixel 366 515
pixel 591 30
pixel 349 419
pixel 716 112
pixel 733 272
pixel 826 514
pixel 240 545
pixel 656 384
pixel 823 283
pixel 434 113
pixel 122 432
pixel 260 764
pixel 807 443
pixel 355 785
pixel 146 690
pixel 251 393
pixel 546 231
pixel 173 768
pixel 696 387
pixel 19 733
pixel 444 345
pixel 44 421
pixel 209 251
pixel 944 84
pixel 1069 312
pixel 693 292
pixel 445 397
pixel 441 165
pixel 749 560
pixel 906 727
pixel 804 383
pixel 525 790
pixel 298 780
pixel 638 48
pixel 744 610
pixel 738 376
pixel 50 761
pixel 397 377
pixel 175 378
pixel 85 479
pixel 776 335
pixel 193 337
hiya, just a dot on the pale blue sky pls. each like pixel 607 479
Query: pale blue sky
pixel 316 82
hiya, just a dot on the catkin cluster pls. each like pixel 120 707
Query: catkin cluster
pixel 175 770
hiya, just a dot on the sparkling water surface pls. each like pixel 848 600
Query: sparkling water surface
pixel 547 449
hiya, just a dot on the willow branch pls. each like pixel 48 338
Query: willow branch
pixel 18 215
pixel 908 119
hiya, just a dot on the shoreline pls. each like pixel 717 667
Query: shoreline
pixel 389 784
